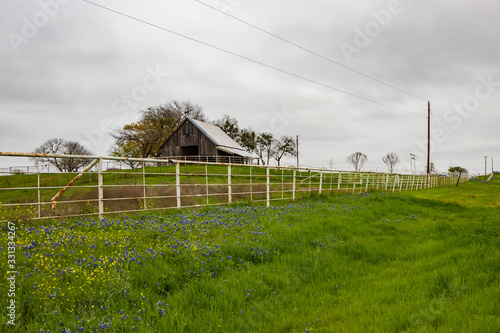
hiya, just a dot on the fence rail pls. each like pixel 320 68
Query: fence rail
pixel 159 184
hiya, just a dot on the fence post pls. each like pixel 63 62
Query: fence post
pixel 100 189
pixel 320 181
pixel 367 181
pixel 38 184
pixel 360 182
pixel 251 187
pixel 339 180
pixel 178 184
pixel 267 187
pixel 354 184
pixel 396 177
pixel 229 194
pixel 331 181
pixel 401 182
pixel 386 182
pixel 206 182
pixel 294 182
pixel 144 186
pixel 282 185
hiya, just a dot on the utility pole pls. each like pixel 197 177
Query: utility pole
pixel 492 166
pixel 297 151
pixel 428 141
pixel 485 165
pixel 413 166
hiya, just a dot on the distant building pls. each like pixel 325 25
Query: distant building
pixel 195 140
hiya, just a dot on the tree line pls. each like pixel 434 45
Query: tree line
pixel 144 138
pixel 358 160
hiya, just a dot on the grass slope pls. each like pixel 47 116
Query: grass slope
pixel 160 189
pixel 474 193
pixel 410 262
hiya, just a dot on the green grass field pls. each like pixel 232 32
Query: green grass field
pixel 419 261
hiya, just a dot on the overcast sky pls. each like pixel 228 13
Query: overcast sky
pixel 74 70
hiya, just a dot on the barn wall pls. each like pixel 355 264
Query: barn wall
pixel 174 144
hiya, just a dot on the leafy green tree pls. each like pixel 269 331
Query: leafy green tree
pixel 432 169
pixel 127 149
pixel 460 171
pixel 229 125
pixel 248 139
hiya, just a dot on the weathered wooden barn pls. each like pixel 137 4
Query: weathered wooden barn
pixel 200 141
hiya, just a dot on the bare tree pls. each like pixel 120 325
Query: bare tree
pixel 229 125
pixel 264 147
pixel 330 163
pixel 60 146
pixel 180 110
pixel 283 147
pixel 391 159
pixel 357 160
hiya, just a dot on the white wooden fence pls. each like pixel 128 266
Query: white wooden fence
pixel 160 184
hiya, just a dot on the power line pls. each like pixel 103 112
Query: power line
pixel 434 123
pixel 247 58
pixel 469 151
pixel 308 50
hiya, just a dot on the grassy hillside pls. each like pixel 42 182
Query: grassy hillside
pixel 124 190
pixel 410 262
pixel 474 193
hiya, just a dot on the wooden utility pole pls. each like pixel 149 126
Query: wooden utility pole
pixel 413 165
pixel 428 141
pixel 485 165
pixel 297 151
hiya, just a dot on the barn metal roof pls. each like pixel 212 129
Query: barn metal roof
pixel 239 152
pixel 221 139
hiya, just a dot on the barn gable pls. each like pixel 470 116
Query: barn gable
pixel 197 138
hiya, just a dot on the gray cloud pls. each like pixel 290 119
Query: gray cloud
pixel 64 80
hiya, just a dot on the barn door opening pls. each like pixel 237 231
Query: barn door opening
pixel 189 151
